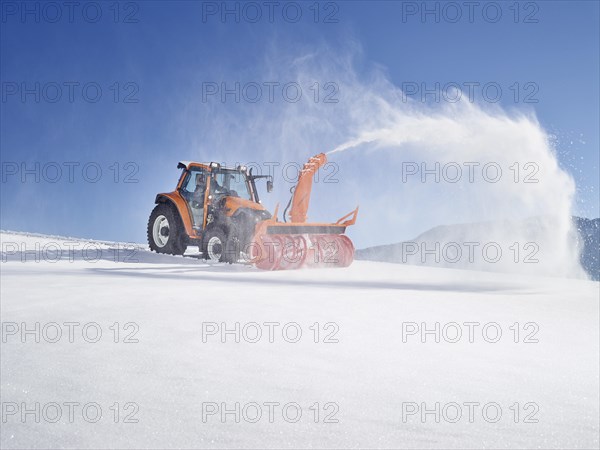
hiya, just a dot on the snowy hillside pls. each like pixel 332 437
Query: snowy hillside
pixel 489 246
pixel 138 350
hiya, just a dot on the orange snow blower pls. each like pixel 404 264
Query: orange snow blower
pixel 218 209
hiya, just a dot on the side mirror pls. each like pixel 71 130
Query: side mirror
pixel 269 186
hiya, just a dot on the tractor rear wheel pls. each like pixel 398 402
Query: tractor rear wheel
pixel 165 231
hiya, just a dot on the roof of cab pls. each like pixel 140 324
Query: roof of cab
pixel 187 164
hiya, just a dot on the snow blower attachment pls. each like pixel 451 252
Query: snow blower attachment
pixel 297 243
pixel 218 209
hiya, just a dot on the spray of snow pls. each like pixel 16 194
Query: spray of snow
pixel 519 177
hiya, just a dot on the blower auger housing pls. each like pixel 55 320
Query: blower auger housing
pixel 218 209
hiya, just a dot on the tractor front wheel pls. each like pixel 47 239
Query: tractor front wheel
pixel 217 246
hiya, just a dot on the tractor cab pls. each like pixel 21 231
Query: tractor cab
pixel 211 190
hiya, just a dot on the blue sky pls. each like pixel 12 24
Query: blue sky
pixel 152 60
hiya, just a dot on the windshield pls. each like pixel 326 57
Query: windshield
pixel 231 183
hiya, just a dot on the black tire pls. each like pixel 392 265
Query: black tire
pixel 218 246
pixel 174 241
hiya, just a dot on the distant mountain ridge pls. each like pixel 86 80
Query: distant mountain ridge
pixel 586 238
pixel 589 236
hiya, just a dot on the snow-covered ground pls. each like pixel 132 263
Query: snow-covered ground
pixel 169 378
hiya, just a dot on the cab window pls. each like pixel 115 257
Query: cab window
pixel 189 184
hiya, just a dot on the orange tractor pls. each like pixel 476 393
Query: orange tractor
pixel 218 209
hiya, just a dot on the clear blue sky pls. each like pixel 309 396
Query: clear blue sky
pixel 170 49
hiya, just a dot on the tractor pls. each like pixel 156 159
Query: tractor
pixel 218 209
